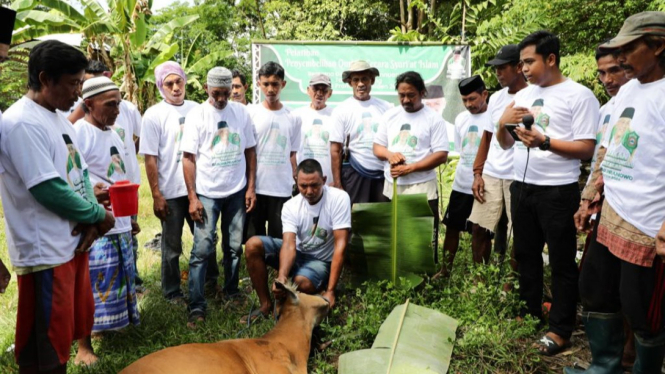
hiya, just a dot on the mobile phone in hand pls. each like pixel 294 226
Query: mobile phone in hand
pixel 511 129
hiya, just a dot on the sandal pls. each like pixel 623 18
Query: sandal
pixel 255 316
pixel 548 347
pixel 195 318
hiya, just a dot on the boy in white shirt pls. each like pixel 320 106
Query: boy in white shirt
pixel 546 195
pixel 219 164
pixel 161 133
pixel 467 141
pixel 277 132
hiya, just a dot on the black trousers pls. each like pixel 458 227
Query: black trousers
pixel 268 209
pixel 544 215
pixel 610 285
pixel 361 189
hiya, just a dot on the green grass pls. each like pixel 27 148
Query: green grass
pixel 488 339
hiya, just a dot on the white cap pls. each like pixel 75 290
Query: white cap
pixel 97 85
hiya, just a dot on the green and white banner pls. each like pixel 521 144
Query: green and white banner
pixel 440 65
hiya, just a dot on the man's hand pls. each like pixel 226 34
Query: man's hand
pixel 513 114
pixel 159 207
pixel 102 194
pixel 196 210
pixel 106 225
pixel 397 171
pixel 338 185
pixel 89 233
pixel 250 200
pixel 600 184
pixel 582 216
pixel 530 138
pixel 478 188
pixel 330 296
pixel 279 293
pixel 396 159
pixel 136 229
pixel 660 242
pixel 5 277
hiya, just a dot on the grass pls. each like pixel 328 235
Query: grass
pixel 489 340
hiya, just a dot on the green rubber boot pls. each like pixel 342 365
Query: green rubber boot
pixel 605 334
pixel 649 358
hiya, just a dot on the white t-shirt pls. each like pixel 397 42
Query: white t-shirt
pixel 565 111
pixel 33 149
pixel 128 125
pixel 161 132
pixel 219 138
pixel 468 129
pixel 634 163
pixel 360 121
pixel 103 152
pixel 414 135
pixel 277 135
pixel 314 224
pixel 499 163
pixel 604 124
pixel 315 137
pixel 69 111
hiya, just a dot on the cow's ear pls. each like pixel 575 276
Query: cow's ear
pixel 289 290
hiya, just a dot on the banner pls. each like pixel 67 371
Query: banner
pixel 441 66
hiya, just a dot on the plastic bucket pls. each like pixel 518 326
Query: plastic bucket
pixel 124 198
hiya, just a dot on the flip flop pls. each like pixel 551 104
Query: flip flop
pixel 548 347
pixel 255 316
pixel 195 318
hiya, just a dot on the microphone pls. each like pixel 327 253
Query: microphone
pixel 527 121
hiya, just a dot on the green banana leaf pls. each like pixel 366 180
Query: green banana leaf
pixel 413 339
pixel 392 241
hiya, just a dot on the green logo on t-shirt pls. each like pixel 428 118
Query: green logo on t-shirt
pixel 540 119
pixel 117 166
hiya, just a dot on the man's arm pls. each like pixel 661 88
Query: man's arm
pixel 341 240
pixel 189 168
pixel 159 206
pixel 660 242
pixel 428 163
pixel 581 149
pixel 478 187
pixel 287 257
pixel 336 163
pixel 294 163
pixel 512 115
pixel 250 195
pixel 77 114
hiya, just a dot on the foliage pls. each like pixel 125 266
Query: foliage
pixel 14 78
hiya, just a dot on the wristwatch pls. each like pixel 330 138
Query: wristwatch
pixel 545 144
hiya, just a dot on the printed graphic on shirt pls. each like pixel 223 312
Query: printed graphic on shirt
pixel 225 146
pixel 623 144
pixel 74 168
pixel 540 119
pixel 273 147
pixel 120 131
pixel 366 131
pixel 404 142
pixel 116 170
pixel 601 131
pixel 317 236
pixel 470 146
pixel 178 139
pixel 315 144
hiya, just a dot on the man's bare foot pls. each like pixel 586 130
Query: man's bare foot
pixel 85 357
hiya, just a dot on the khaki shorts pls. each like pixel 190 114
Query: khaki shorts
pixel 497 196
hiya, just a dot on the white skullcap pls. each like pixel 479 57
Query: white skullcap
pixel 97 85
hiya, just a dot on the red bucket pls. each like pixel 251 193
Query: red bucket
pixel 124 198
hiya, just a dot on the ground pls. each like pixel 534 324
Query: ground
pixel 489 340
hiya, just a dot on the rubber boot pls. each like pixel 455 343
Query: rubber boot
pixel 649 358
pixel 605 334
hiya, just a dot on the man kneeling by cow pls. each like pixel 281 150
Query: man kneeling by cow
pixel 316 226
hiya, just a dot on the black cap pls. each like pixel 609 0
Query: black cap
pixel 7 18
pixel 471 84
pixel 434 91
pixel 507 54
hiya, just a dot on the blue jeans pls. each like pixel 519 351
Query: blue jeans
pixel 232 210
pixel 171 246
pixel 305 265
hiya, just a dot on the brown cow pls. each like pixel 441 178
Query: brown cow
pixel 283 350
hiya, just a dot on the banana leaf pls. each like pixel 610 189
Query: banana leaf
pixel 413 339
pixel 392 241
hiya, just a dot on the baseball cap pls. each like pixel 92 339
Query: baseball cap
pixel 319 79
pixel 507 53
pixel 636 26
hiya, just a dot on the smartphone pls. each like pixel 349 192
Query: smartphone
pixel 511 129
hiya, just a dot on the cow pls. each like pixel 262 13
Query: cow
pixel 283 350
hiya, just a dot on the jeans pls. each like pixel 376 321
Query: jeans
pixel 544 214
pixel 232 210
pixel 172 247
